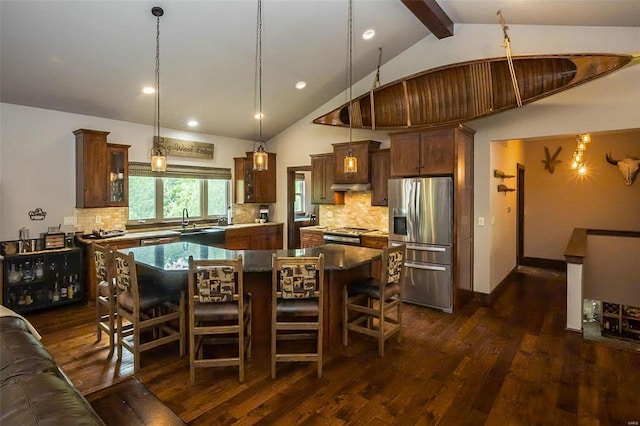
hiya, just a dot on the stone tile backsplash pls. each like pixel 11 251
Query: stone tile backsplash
pixel 356 212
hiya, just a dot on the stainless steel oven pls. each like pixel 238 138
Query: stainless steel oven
pixel 346 236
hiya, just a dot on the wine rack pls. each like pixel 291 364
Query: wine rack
pixel 620 320
pixel 44 279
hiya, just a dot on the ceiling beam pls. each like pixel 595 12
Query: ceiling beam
pixel 432 16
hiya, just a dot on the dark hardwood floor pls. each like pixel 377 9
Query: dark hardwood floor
pixel 511 363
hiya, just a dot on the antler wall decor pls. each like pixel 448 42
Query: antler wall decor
pixel 550 161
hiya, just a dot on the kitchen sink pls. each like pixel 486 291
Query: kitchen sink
pixel 211 236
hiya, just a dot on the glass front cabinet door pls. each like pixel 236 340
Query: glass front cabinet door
pixel 118 179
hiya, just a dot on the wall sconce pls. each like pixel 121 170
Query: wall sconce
pixel 577 161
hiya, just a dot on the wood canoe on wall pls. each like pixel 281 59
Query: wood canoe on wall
pixel 466 91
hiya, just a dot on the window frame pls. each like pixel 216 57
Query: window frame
pixel 203 174
pixel 300 177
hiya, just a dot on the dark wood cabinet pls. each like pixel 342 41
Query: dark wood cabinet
pixel 254 186
pixel 259 237
pixel 322 173
pixel 43 279
pixel 101 171
pixel 423 154
pixel 380 170
pixel 360 150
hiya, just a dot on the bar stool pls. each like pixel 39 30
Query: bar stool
pixel 373 299
pixel 105 294
pixel 297 307
pixel 219 313
pixel 145 308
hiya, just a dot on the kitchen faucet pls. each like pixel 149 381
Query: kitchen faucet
pixel 185 222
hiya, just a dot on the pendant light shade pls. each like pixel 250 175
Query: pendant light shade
pixel 158 159
pixel 260 157
pixel 350 162
pixel 158 154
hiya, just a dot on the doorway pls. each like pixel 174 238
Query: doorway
pixel 520 215
pixel 293 234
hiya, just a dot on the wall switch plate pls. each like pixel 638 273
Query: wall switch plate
pixel 98 219
pixel 480 221
pixel 329 213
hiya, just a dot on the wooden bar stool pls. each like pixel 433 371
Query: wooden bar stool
pixel 297 307
pixel 105 294
pixel 372 300
pixel 219 313
pixel 145 308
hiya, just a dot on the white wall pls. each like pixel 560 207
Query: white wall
pixel 503 220
pixel 611 102
pixel 37 161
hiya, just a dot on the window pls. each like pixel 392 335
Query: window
pixel 299 199
pixel 161 197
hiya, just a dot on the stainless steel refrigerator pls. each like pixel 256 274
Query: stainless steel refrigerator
pixel 421 216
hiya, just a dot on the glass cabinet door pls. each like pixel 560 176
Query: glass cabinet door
pixel 117 182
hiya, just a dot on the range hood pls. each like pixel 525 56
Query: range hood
pixel 351 187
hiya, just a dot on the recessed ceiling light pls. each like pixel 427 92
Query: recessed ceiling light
pixel 258 116
pixel 368 35
pixel 301 85
pixel 149 90
pixel 192 123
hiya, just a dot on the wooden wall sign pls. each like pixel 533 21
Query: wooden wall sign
pixel 184 148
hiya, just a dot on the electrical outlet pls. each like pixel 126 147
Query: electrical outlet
pixel 329 213
pixel 480 221
pixel 70 220
pixel 98 219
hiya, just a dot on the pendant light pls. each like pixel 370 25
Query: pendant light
pixel 260 157
pixel 158 155
pixel 350 162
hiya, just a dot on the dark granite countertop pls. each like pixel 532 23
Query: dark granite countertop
pixel 175 256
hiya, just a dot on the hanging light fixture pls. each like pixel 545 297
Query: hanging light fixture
pixel 577 161
pixel 350 162
pixel 260 157
pixel 158 154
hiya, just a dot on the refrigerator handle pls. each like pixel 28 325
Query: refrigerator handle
pixel 427 267
pixel 411 210
pixel 421 248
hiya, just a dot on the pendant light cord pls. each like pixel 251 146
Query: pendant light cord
pixel 350 31
pixel 259 60
pixel 157 109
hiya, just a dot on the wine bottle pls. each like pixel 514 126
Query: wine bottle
pixel 56 291
pixel 70 290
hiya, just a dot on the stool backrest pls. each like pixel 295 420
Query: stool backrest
pixel 298 277
pixel 215 280
pixel 126 276
pixel 103 261
pixel 393 258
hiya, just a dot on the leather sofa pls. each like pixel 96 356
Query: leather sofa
pixel 33 390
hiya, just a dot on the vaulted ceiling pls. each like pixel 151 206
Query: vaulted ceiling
pixel 94 57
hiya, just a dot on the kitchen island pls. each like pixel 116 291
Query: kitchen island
pixel 167 265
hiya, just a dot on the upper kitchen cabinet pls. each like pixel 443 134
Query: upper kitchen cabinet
pixel 322 174
pixel 428 153
pixel 360 150
pixel 102 171
pixel 255 186
pixel 380 177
